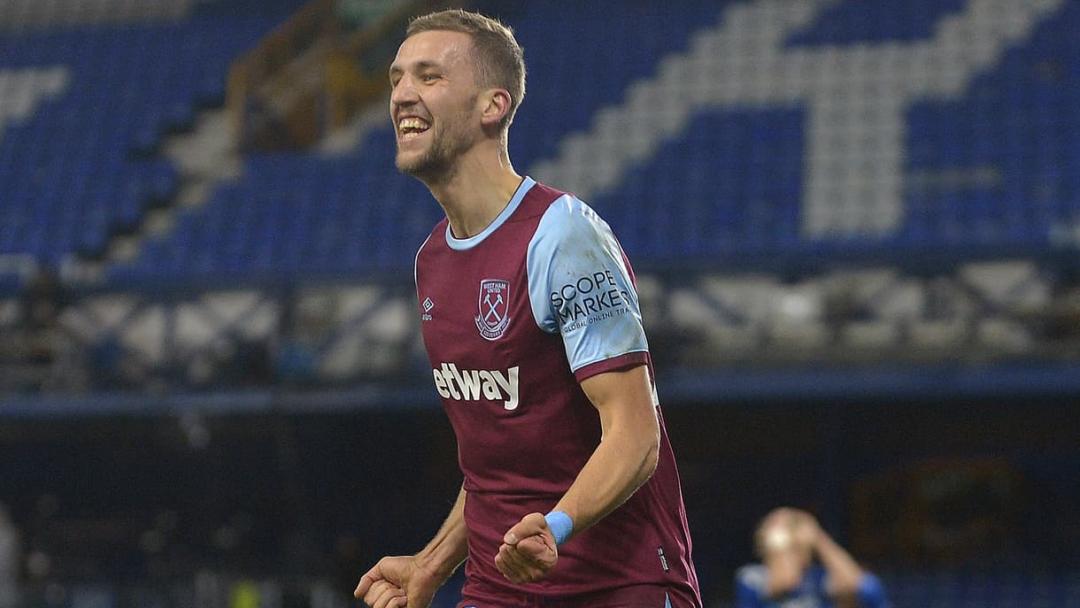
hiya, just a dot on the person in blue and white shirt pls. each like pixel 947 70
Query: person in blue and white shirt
pixel 803 567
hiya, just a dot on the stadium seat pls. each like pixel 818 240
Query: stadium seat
pixel 994 166
pixel 82 99
pixel 354 214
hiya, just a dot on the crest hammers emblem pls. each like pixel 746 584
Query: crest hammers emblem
pixel 494 308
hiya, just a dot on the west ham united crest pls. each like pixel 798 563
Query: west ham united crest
pixel 494 303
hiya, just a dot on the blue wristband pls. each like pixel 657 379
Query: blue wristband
pixel 561 526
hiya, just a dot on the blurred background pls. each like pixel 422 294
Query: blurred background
pixel 855 223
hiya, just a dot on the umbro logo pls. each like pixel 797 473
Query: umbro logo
pixel 428 305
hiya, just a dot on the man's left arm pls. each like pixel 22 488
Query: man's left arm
pixel 628 451
pixel 575 267
pixel 624 460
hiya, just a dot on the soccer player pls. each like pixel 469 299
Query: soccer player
pixel 530 319
pixel 788 540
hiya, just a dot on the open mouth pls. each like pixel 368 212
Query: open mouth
pixel 411 127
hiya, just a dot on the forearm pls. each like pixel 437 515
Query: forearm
pixel 449 547
pixel 844 572
pixel 622 462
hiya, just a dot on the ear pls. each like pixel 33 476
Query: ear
pixel 494 106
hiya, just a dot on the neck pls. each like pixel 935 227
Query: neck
pixel 477 189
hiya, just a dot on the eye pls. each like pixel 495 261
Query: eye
pixel 429 77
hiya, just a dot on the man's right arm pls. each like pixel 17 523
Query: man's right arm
pixel 449 548
pixel 413 579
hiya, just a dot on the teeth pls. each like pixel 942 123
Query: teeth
pixel 413 125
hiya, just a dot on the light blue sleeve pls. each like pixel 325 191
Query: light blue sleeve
pixel 580 286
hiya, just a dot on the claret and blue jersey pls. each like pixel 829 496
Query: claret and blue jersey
pixel 513 319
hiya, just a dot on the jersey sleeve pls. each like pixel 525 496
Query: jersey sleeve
pixel 581 287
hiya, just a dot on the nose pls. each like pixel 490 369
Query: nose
pixel 404 93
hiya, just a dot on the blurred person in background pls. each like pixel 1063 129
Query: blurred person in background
pixel 530 317
pixel 802 566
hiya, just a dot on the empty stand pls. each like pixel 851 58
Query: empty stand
pixel 82 107
pixel 32 14
pixel 986 164
pixel 300 214
pixel 984 169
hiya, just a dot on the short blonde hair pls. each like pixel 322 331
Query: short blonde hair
pixel 500 61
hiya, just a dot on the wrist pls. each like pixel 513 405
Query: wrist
pixel 429 566
pixel 561 526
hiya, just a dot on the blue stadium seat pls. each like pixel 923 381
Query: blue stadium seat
pixel 997 167
pixel 852 22
pixel 355 214
pixel 69 179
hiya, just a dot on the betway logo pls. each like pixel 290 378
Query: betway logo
pixel 473 385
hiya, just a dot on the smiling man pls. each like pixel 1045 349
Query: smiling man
pixel 530 317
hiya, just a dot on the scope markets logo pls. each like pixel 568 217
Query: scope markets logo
pixel 591 298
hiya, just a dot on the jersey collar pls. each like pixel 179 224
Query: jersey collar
pixel 463 244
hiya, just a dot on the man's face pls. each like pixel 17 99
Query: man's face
pixel 787 534
pixel 433 102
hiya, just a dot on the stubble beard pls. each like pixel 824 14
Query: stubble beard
pixel 439 162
